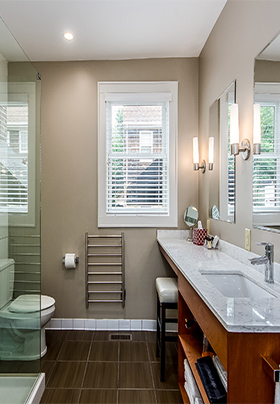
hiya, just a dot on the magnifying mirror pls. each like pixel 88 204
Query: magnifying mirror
pixel 191 218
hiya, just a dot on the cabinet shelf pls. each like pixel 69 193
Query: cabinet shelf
pixel 192 349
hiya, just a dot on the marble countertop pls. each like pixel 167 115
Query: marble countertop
pixel 235 314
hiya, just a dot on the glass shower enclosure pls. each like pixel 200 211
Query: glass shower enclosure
pixel 20 229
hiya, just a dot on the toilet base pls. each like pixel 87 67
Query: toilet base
pixel 43 342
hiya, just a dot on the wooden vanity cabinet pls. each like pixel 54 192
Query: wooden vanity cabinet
pixel 240 353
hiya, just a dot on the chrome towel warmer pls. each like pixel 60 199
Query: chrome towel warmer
pixel 105 269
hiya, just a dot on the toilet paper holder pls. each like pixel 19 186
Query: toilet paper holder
pixel 76 260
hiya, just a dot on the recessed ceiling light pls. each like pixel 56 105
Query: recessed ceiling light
pixel 68 35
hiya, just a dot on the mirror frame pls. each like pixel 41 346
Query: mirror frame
pixel 220 173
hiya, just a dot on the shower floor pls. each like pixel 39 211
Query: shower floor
pixel 16 389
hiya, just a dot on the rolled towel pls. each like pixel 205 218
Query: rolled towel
pixel 190 383
pixel 277 393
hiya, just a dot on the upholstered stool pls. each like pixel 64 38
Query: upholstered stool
pixel 167 298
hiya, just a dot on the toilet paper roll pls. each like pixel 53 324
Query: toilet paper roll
pixel 70 261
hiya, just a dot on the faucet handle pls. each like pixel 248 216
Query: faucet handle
pixel 264 243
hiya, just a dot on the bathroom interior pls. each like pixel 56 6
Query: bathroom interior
pixel 51 191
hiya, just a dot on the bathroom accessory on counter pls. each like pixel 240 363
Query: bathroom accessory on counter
pixel 199 236
pixel 70 260
pixel 105 269
pixel 211 242
pixel 190 218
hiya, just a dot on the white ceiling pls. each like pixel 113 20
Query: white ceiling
pixel 110 29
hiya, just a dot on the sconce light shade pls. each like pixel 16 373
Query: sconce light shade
pixel 211 152
pixel 234 135
pixel 195 151
pixel 196 165
pixel 234 129
pixel 257 129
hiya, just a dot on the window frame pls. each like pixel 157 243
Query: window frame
pixel 268 94
pixel 25 93
pixel 113 90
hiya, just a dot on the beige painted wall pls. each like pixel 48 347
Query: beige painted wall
pixel 242 31
pixel 69 180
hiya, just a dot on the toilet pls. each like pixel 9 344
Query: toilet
pixel 23 320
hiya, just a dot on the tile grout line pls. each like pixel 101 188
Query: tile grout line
pixel 118 372
pixel 151 370
pixel 91 342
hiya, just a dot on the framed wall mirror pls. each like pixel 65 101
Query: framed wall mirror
pixel 266 169
pixel 222 177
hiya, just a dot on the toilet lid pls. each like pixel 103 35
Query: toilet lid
pixel 31 303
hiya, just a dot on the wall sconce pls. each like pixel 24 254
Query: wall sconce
pixel 245 146
pixel 257 132
pixel 196 165
pixel 211 153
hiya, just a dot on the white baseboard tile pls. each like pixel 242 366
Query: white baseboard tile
pixel 78 323
pixel 90 324
pixel 67 324
pixel 136 325
pixel 101 324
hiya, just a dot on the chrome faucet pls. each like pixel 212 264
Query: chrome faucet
pixel 268 260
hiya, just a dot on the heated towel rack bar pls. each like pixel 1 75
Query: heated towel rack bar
pixel 105 269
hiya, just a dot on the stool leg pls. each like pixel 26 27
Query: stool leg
pixel 162 353
pixel 158 327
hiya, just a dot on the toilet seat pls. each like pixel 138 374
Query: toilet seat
pixel 31 303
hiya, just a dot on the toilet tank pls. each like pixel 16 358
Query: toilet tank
pixel 7 275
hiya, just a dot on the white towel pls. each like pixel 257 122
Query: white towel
pixel 277 393
pixel 198 401
pixel 190 384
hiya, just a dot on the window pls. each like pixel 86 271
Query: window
pixel 17 154
pixel 137 154
pixel 266 171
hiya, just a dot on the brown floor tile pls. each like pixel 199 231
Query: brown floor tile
pixel 55 335
pixel 135 375
pixel 85 367
pixel 47 368
pixel 136 397
pixel 74 351
pixel 138 336
pixel 67 375
pixel 169 397
pixel 60 396
pixel 171 353
pixel 151 336
pixel 101 335
pixel 104 351
pixel 79 335
pixel 134 352
pixel 89 396
pixel 53 349
pixel 101 375
pixel 171 376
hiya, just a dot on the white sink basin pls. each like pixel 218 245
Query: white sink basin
pixel 236 285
